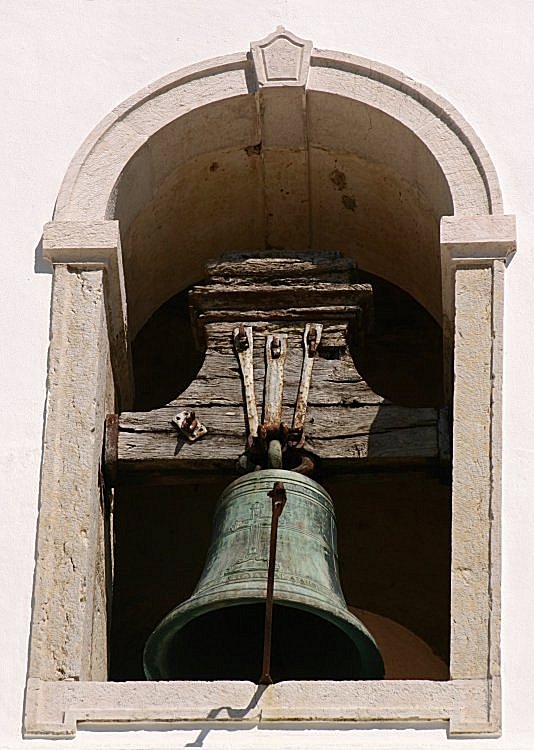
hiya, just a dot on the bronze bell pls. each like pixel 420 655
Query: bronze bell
pixel 217 634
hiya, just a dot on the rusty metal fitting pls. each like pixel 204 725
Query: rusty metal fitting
pixel 189 425
pixel 295 438
pixel 241 341
pixel 312 340
pixel 306 466
pixel 276 348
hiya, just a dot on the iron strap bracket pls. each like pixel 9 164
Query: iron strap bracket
pixel 244 347
pixel 260 435
pixel 273 394
pixel 311 340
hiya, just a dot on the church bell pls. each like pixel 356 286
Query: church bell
pixel 218 633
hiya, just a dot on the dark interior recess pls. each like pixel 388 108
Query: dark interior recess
pixel 402 359
pixel 394 548
pixel 227 644
pixel 393 527
pixel 165 356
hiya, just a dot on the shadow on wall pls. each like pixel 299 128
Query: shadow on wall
pixel 165 356
pixel 40 264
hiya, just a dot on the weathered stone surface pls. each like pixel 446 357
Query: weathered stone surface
pixel 182 136
pixel 62 705
pixel 472 599
pixel 69 516
pixel 96 244
pixel 464 240
pixel 486 237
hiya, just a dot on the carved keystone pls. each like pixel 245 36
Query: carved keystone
pixel 281 59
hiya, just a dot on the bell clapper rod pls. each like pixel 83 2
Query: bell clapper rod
pixel 279 499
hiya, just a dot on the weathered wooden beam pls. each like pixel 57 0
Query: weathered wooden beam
pixel 335 379
pixel 345 423
pixel 378 434
pixel 277 296
pixel 322 265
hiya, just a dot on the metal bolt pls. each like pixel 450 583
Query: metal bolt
pixel 276 347
pixel 312 340
pixel 241 339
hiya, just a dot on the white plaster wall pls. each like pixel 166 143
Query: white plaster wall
pixel 64 65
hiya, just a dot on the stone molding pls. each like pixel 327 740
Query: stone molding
pixel 469 241
pixel 66 668
pixel 87 191
pixel 477 238
pixel 468 706
pixel 281 59
pixel 96 245
pixel 69 536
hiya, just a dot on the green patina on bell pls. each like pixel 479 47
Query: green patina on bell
pixel 217 634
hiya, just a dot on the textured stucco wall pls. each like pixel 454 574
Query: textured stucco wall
pixel 65 65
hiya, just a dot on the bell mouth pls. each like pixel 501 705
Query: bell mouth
pixel 227 644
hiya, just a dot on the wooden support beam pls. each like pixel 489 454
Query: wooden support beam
pixel 271 302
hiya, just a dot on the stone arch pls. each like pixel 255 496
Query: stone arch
pixel 336 152
pixel 281 100
pixel 88 189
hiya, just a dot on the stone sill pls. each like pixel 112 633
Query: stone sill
pixel 471 707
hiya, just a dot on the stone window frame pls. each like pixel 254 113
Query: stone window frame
pixel 89 375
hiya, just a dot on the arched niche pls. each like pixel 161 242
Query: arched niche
pixel 282 147
pixel 357 157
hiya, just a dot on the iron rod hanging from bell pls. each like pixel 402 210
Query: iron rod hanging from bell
pixel 279 499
